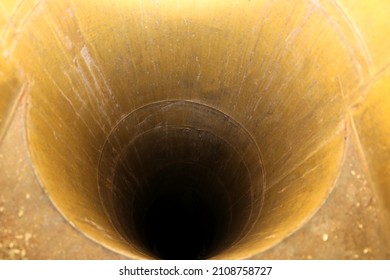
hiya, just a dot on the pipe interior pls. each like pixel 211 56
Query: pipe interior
pixel 183 181
pixel 201 130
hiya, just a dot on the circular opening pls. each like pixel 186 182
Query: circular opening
pixel 268 77
pixel 179 180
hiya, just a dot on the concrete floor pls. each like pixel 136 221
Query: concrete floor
pixel 348 226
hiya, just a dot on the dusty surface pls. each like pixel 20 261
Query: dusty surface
pixel 348 226
pixel 30 226
pixel 294 110
pixel 289 71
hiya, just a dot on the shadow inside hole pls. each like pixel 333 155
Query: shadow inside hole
pixel 178 184
pixel 180 224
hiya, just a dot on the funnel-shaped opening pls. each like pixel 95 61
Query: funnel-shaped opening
pixel 186 131
pixel 181 179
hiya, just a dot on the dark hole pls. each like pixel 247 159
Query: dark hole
pixel 178 180
pixel 180 225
